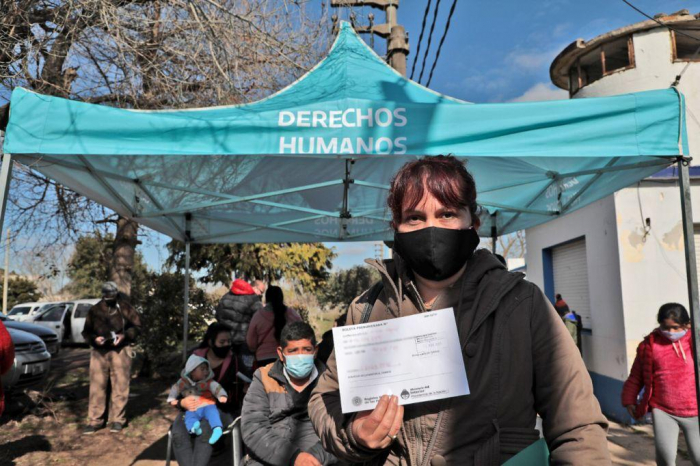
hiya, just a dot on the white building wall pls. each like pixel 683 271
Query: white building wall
pixel 655 69
pixel 629 278
pixel 653 268
pixel 603 348
pixel 653 271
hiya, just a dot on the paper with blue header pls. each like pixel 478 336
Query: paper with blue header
pixel 417 358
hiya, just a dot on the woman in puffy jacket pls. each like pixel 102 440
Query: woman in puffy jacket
pixel 665 368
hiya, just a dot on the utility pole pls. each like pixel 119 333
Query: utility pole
pixel 379 251
pixel 6 274
pixel 397 44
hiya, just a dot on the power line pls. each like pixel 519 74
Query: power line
pixel 442 41
pixel 430 38
pixel 420 39
pixel 675 31
pixel 660 23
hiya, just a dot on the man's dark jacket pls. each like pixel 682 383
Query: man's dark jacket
pixel 103 319
pixel 276 425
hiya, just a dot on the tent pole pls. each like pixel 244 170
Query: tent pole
pixel 690 264
pixel 186 304
pixel 494 232
pixel 186 294
pixel 5 178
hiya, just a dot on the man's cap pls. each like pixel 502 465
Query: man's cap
pixel 109 289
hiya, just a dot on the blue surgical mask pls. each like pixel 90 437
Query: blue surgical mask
pixel 674 336
pixel 299 366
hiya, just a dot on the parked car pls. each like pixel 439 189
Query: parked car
pixel 67 319
pixel 32 361
pixel 48 336
pixel 25 312
pixel 79 313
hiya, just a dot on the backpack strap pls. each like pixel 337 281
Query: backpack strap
pixel 372 295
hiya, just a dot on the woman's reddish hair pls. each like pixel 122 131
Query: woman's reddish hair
pixel 444 176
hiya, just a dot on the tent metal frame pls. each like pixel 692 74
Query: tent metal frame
pixel 143 185
pixel 690 263
pixel 193 206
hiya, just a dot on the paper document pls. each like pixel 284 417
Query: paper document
pixel 417 358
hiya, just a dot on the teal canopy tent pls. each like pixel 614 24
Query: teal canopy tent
pixel 313 162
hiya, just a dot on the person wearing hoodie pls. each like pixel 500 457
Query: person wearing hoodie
pixel 560 305
pixel 236 309
pixel 7 359
pixel 519 359
pixel 215 347
pixel 197 379
pixel 275 420
pixel 665 368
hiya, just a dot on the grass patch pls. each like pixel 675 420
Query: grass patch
pixel 142 421
pixel 27 426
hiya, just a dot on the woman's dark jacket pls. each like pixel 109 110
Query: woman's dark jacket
pixel 519 359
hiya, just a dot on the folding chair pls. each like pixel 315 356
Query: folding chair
pixel 236 440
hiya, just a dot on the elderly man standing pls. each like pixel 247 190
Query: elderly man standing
pixel 111 327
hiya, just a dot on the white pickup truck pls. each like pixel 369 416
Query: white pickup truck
pixel 67 319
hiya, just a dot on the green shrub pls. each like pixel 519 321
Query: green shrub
pixel 162 318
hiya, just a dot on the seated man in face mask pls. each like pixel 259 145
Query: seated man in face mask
pixel 276 425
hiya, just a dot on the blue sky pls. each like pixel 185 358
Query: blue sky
pixel 495 51
pixel 499 51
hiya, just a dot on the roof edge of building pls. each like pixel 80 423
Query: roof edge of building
pixel 559 69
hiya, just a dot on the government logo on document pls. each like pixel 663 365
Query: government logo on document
pixel 357 401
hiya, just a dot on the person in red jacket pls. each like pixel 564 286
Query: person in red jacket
pixel 7 358
pixel 665 368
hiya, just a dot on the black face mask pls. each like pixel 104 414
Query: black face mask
pixel 221 351
pixel 436 253
pixel 111 302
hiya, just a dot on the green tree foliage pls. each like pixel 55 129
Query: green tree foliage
pixel 20 290
pixel 89 265
pixel 308 265
pixel 162 316
pixel 304 314
pixel 346 285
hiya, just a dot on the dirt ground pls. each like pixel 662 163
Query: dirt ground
pixel 45 428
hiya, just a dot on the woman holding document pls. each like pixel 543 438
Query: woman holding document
pixel 519 358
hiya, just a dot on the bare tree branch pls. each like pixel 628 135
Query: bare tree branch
pixel 143 54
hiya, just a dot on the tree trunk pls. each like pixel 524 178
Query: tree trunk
pixel 124 250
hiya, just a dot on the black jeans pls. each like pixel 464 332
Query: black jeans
pixel 191 450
